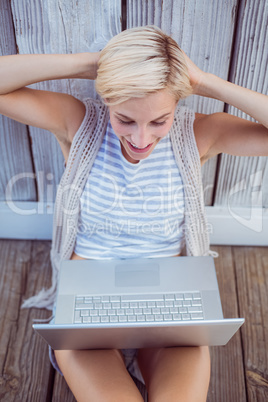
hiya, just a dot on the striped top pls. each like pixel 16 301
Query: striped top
pixel 131 210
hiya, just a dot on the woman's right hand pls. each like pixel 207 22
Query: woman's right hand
pixel 58 113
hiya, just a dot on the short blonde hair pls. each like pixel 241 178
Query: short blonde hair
pixel 141 61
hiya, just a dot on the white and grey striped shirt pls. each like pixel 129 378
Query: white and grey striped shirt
pixel 131 210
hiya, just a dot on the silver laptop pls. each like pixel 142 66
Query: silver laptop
pixel 138 303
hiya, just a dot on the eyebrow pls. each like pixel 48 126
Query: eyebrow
pixel 129 118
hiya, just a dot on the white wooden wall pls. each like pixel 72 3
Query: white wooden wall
pixel 225 37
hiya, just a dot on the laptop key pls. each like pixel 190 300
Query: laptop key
pixel 122 318
pixel 152 297
pixel 196 303
pixel 188 296
pixel 102 312
pixel 167 317
pixel 186 317
pixel 84 313
pixel 79 299
pixel 88 300
pixel 104 319
pixel 142 304
pixel 77 317
pixel 197 316
pixel 86 320
pixel 169 297
pixel 169 304
pixel 80 306
pixel 132 318
pixel 147 311
pixel 137 311
pixel 165 310
pixel 141 318
pixel 196 309
pixel 187 303
pixel 115 298
pixel 96 319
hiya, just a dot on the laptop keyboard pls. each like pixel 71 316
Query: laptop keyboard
pixel 169 307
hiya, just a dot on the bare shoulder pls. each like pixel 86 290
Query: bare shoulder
pixel 224 133
pixel 59 113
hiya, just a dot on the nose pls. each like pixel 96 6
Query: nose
pixel 141 137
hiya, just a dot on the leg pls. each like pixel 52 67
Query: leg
pixel 97 375
pixel 176 374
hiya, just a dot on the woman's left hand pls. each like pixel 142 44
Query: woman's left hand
pixel 197 76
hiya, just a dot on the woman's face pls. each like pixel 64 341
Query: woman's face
pixel 140 123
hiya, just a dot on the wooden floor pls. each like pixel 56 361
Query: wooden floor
pixel 239 370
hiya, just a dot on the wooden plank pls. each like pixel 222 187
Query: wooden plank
pixel 204 30
pixel 249 69
pixel 61 391
pixel 50 26
pixel 252 289
pixel 242 181
pixel 26 374
pixel 25 367
pixel 15 153
pixel 227 373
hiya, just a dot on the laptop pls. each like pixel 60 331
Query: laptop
pixel 138 303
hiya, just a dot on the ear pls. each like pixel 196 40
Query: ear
pixel 106 101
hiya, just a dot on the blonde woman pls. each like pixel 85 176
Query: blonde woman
pixel 121 155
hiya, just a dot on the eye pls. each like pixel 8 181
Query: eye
pixel 125 122
pixel 161 123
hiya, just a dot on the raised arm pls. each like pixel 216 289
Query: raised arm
pixel 221 132
pixel 18 71
pixel 59 113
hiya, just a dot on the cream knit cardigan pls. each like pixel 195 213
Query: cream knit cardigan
pixel 84 149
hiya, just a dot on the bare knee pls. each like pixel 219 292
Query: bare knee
pixel 97 375
pixel 176 374
pixel 66 357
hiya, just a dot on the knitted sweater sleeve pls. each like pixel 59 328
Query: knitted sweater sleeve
pixel 84 149
pixel 187 157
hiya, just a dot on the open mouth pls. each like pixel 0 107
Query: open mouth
pixel 136 149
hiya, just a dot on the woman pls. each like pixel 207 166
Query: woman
pixel 114 151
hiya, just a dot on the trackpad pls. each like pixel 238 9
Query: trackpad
pixel 145 274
